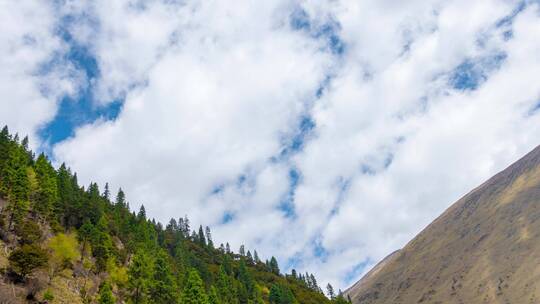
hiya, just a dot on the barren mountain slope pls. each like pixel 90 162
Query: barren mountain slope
pixel 484 249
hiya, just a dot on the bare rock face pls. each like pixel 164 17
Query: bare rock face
pixel 485 248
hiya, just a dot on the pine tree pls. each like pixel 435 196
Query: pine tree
pixel 139 277
pixel 213 297
pixel 120 198
pixel 256 257
pixel 314 285
pixel 27 258
pixel 18 185
pixel 246 279
pixel 224 286
pixel 142 214
pixel 249 258
pixel 186 228
pixel 163 286
pixel 228 248
pixel 84 236
pixel 101 244
pixel 274 267
pixel 105 294
pixel 242 250
pixel 48 189
pixel 330 291
pixel 275 294
pixel 194 290
pixel 106 192
pixel 281 294
pixel 209 238
pixel 201 238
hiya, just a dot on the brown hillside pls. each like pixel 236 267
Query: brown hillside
pixel 484 249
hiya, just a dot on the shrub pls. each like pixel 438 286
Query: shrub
pixel 27 258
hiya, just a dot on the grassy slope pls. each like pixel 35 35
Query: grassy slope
pixel 483 249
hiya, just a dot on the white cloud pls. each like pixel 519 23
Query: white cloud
pixel 214 107
pixel 30 81
pixel 213 92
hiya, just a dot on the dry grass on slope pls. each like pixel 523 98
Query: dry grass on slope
pixel 483 249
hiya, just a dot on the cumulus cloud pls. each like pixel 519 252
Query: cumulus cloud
pixel 33 75
pixel 326 133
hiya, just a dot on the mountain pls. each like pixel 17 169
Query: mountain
pixel 485 248
pixel 64 243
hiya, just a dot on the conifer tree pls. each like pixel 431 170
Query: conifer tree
pixel 163 286
pixel 201 237
pixel 18 185
pixel 186 228
pixel 101 244
pixel 139 277
pixel 330 291
pixel 242 250
pixel 280 294
pixel 48 189
pixel 314 285
pixel 27 258
pixel 225 287
pixel 213 297
pixel 274 267
pixel 194 290
pixel 142 214
pixel 106 192
pixel 84 236
pixel 209 238
pixel 246 279
pixel 105 294
pixel 120 198
pixel 256 257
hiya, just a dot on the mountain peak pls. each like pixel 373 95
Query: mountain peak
pixel 485 248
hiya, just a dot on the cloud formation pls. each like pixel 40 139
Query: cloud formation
pixel 327 133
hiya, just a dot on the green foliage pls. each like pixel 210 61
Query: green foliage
pixel 105 294
pixel 248 285
pixel 340 300
pixel 225 286
pixel 117 274
pixel 144 261
pixel 281 294
pixel 163 286
pixel 273 265
pixel 27 258
pixel 102 246
pixel 48 295
pixel 193 290
pixel 29 232
pixel 139 277
pixel 48 188
pixel 63 251
pixel 213 297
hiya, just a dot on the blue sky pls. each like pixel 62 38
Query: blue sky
pixel 326 133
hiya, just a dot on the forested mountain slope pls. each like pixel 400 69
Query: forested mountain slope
pixel 484 249
pixel 64 243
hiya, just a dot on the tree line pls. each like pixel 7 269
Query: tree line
pixel 50 223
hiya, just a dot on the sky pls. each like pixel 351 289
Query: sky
pixel 325 133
